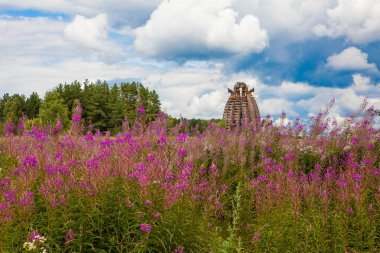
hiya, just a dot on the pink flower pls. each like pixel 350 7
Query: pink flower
pixel 342 184
pixel 256 237
pixel 179 249
pixel 182 152
pixel 70 236
pixel 146 228
pixel 213 168
pixel 182 137
pixel 356 177
pixel 30 161
pixel 262 178
pixel 34 235
pixel 218 204
pixel 162 140
pixel 141 109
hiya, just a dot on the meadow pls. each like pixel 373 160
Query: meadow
pixel 289 188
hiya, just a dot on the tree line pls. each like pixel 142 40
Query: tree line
pixel 103 106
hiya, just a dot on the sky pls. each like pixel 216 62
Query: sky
pixel 297 54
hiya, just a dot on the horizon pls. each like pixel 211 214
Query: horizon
pixel 297 56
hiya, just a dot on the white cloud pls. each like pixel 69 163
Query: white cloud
pixel 37 38
pixel 120 12
pixel 290 19
pixel 276 106
pixel 350 58
pixel 282 122
pixel 209 104
pixel 358 20
pixel 194 26
pixel 92 34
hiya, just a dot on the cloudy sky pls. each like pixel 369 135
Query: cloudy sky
pixel 298 54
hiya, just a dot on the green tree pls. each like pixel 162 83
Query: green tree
pixel 115 108
pixel 52 107
pixel 32 105
pixel 130 96
pixel 133 93
pixel 14 107
pixel 94 103
pixel 71 93
pixel 3 100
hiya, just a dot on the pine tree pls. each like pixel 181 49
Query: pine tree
pixel 32 105
pixel 115 108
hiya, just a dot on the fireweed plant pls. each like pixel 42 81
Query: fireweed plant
pixel 149 189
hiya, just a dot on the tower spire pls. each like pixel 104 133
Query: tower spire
pixel 241 106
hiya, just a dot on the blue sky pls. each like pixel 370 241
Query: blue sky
pixel 298 54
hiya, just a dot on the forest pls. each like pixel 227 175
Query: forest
pixel 104 107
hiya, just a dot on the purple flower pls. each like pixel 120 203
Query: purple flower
pixel 58 127
pixel 201 170
pixel 342 184
pixel 218 204
pixel 162 140
pixel 89 137
pixel 182 137
pixel 146 228
pixel 268 169
pixel 169 176
pixel 182 152
pixel 77 118
pixel 213 168
pixel 375 172
pixel 5 182
pixel 141 109
pixel 28 198
pixel 148 202
pixel 34 235
pixel 356 177
pixel 262 178
pixel 70 236
pixel 9 128
pixel 151 157
pixel 30 161
pixel 355 140
pixel 9 195
pixel 58 182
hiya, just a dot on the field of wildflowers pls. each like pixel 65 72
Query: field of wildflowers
pixel 149 189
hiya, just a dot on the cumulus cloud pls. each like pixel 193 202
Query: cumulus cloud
pixel 350 58
pixel 358 20
pixel 182 27
pixel 92 34
pixel 290 19
pixel 88 32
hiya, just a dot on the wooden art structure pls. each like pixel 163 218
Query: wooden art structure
pixel 241 107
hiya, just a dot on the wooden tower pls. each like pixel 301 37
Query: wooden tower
pixel 241 106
